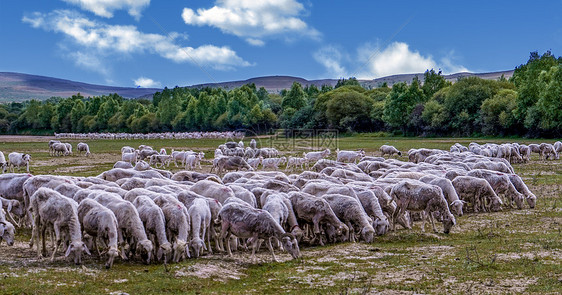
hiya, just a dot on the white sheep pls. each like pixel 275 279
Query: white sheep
pixel 200 215
pixel 389 150
pixel 349 156
pixel 350 211
pixel 7 230
pixel 3 163
pixel 18 160
pixel 155 225
pixel 177 224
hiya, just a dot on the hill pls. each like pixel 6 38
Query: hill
pixel 20 87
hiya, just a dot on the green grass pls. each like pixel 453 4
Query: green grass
pixel 514 251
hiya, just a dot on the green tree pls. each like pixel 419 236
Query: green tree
pixel 295 98
pixel 498 112
pixel 350 110
pixel 433 82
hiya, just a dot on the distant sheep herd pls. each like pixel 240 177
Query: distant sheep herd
pixel 139 210
pixel 164 135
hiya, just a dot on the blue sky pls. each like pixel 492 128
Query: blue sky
pixel 167 43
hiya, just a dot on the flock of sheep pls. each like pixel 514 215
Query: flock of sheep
pixel 164 135
pixel 138 209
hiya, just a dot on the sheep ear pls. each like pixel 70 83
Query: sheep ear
pixel 86 249
pixel 68 250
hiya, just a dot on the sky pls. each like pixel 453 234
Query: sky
pixel 168 43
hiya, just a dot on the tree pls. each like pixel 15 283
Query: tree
pixel 433 82
pixel 498 112
pixel 400 103
pixel 349 110
pixel 295 98
pixel 352 81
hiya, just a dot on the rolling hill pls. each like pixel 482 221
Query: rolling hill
pixel 20 87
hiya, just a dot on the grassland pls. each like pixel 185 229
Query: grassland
pixel 514 251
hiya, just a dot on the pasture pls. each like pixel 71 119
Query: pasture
pixel 513 251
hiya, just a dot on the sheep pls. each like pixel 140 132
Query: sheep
pixel 83 147
pixel 246 222
pixel 177 224
pixel 389 150
pixel 200 215
pixel 316 156
pixel 53 210
pixel 156 159
pixel 350 211
pixel 418 196
pixel 230 163
pixel 12 206
pixel 311 209
pixel 477 191
pixel 7 230
pixel 501 184
pixel 255 162
pixel 187 198
pixel 372 207
pixel 131 229
pixel 163 151
pixel 68 147
pixel 496 166
pixel 348 156
pixel 253 144
pixel 191 176
pixel 123 165
pixel 558 146
pixel 547 150
pixel 51 144
pixel 154 223
pixel 191 161
pixel 293 162
pixel 525 153
pixel 244 195
pixel 3 163
pixel 213 190
pixel 100 223
pixel 60 148
pixel 455 204
pixel 16 159
pixel 130 157
pixel 522 188
pixel 118 173
pixel 145 153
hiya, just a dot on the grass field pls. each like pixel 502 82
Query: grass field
pixel 514 251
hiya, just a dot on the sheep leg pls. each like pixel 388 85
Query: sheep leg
pixel 432 222
pixel 270 247
pixel 254 247
pixel 43 241
pixel 57 239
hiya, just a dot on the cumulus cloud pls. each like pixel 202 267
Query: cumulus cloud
pixel 145 82
pixel 106 8
pixel 127 39
pixel 253 20
pixel 89 61
pixel 331 58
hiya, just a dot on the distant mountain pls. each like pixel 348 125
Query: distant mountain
pixel 20 87
pixel 277 83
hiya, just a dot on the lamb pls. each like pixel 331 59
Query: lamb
pixel 273 162
pixel 316 156
pixel 130 157
pixel 177 224
pixel 146 153
pixel 455 204
pixel 293 162
pixel 7 230
pixel 348 156
pixel 83 147
pixel 501 184
pixel 53 210
pixel 60 148
pixel 191 161
pixel 255 162
pixel 351 212
pixel 155 225
pixel 12 206
pixel 51 144
pixel 157 159
pixel 16 159
pixel 418 196
pixel 100 223
pixel 230 163
pixel 477 191
pixel 131 229
pixel 200 215
pixel 246 222
pixel 389 150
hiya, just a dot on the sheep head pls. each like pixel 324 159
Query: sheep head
pixel 76 248
pixel 145 247
pixel 448 222
pixel 381 226
pixel 456 207
pixel 531 200
pixel 197 244
pixel 180 247
pixel 164 251
pixel 291 245
pixel 112 252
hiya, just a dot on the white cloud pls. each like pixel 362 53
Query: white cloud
pixel 253 20
pixel 105 8
pixel 331 58
pixel 89 61
pixel 104 39
pixel 147 83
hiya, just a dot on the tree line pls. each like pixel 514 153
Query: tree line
pixel 528 104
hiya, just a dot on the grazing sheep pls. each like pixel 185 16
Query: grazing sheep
pixel 294 162
pixel 478 192
pixel 455 204
pixel 230 163
pixel 177 224
pixel 372 207
pixel 158 159
pixel 154 223
pixel 188 197
pixel 501 184
pixel 200 215
pixel 18 160
pixel 255 162
pixel 522 188
pixel 100 223
pixel 418 196
pixel 311 209
pixel 83 147
pixel 7 230
pixel 59 213
pixel 131 230
pixel 389 150
pixel 246 222
pixel 350 211
pixel 3 163
pixel 60 149
pixel 12 207
pixel 547 150
pixel 213 190
pixel 118 173
pixel 51 144
pixel 123 165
